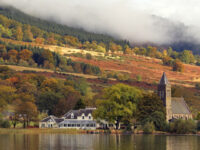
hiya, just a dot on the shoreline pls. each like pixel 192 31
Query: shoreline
pixel 74 131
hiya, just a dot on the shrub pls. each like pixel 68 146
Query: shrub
pixel 178 66
pixel 88 56
pixel 183 126
pixel 23 63
pixel 198 125
pixel 168 61
pixel 4 124
pixel 198 116
pixel 139 78
pixel 148 128
pixel 197 86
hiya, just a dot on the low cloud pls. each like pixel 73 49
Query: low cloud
pixel 139 21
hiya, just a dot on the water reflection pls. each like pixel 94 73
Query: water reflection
pixel 97 142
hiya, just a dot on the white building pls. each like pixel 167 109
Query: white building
pixel 50 122
pixel 79 119
pixel 74 119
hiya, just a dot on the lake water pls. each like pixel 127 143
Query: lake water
pixel 97 142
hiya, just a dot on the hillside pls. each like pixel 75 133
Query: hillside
pixel 53 27
pixel 97 62
pixel 148 69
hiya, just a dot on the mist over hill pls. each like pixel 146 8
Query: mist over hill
pixel 108 20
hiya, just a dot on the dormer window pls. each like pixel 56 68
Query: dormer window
pixel 83 117
pixel 72 116
pixel 89 117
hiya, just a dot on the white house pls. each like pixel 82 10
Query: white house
pixel 50 122
pixel 79 119
pixel 74 119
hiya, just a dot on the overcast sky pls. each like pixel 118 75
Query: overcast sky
pixel 133 20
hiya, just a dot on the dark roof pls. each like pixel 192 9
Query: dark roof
pixel 79 112
pixel 58 120
pixel 164 79
pixel 48 118
pixel 179 106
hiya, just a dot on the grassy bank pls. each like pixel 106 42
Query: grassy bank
pixel 41 131
pixel 74 131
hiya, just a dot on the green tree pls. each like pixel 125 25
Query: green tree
pixel 118 104
pixel 28 36
pixel 151 109
pixel 187 57
pixel 7 95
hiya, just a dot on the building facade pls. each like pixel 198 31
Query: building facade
pixel 50 122
pixel 176 107
pixel 74 119
pixel 79 119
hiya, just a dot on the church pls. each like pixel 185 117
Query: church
pixel 176 107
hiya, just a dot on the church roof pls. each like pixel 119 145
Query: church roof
pixel 164 79
pixel 179 106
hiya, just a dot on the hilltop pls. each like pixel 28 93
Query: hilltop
pixel 50 26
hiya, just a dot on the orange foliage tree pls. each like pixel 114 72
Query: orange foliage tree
pixel 25 54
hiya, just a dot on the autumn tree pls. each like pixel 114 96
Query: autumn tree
pixel 18 33
pixel 178 66
pixel 168 61
pixel 12 55
pixel 37 32
pixel 28 36
pixel 26 109
pixel 3 51
pixel 127 50
pixel 114 47
pixel 118 104
pixel 72 41
pixel 25 54
pixel 69 102
pixel 48 56
pixel 7 95
pixel 39 40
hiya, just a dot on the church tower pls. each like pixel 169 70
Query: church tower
pixel 164 92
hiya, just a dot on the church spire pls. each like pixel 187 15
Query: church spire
pixel 164 92
pixel 164 79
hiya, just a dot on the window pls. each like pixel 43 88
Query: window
pixel 83 117
pixel 89 117
pixel 78 125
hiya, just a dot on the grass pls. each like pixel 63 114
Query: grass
pixel 22 68
pixel 40 131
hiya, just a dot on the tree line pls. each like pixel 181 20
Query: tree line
pixel 26 97
pixel 38 57
pixel 130 106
